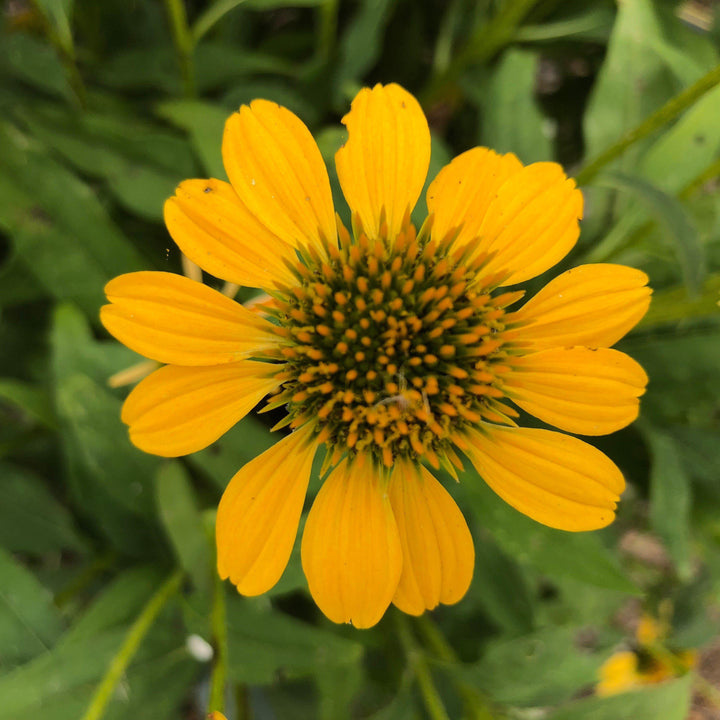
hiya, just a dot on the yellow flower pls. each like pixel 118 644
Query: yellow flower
pixel 650 661
pixel 392 347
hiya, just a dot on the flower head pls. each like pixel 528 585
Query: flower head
pixel 395 347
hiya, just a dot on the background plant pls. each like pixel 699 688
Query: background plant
pixel 109 603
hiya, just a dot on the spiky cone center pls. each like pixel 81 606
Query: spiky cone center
pixel 393 346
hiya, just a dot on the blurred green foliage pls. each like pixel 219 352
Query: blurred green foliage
pixel 107 581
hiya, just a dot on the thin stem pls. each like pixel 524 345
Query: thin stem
pixel 416 659
pixel 476 705
pixel 218 622
pixel 664 115
pixel 125 654
pixel 184 43
pixel 486 41
pixel 328 29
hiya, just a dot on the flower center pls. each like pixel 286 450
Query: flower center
pixel 393 348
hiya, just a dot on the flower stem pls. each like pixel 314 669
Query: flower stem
pixel 130 645
pixel 476 705
pixel 218 622
pixel 670 110
pixel 328 28
pixel 416 660
pixel 184 43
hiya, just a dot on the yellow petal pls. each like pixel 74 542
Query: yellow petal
pixel 460 195
pixel 618 673
pixel 258 515
pixel 179 410
pixel 216 231
pixel 384 163
pixel 351 551
pixel 437 548
pixel 526 218
pixel 276 169
pixel 172 319
pixel 593 305
pixel 591 392
pixel 553 478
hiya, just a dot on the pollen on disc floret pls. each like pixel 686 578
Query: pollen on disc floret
pixel 392 346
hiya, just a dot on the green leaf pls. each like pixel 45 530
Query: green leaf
pixel 670 498
pixel 141 164
pixel 58 227
pixel 57 685
pixel 31 519
pixel 29 622
pixel 543 668
pixel 511 120
pixel 337 686
pixel 685 149
pixel 500 588
pixel 204 122
pixel 360 46
pixel 58 14
pixel 240 444
pixel 673 218
pixel 32 400
pixel 577 556
pixel 667 701
pixel 30 60
pixel 685 390
pixel 402 706
pixel 183 524
pixel 117 604
pixel 143 190
pixel 263 643
pixel 699 456
pixel 590 23
pixel 673 304
pixel 109 478
pixel 632 82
